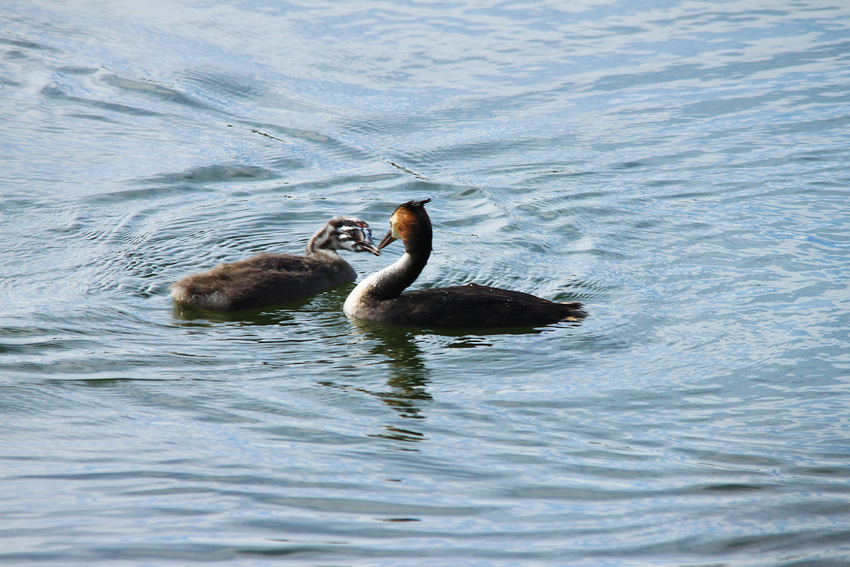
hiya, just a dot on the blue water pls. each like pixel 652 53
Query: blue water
pixel 682 168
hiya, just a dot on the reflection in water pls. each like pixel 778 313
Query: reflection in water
pixel 398 434
pixel 408 379
pixel 270 315
pixel 409 375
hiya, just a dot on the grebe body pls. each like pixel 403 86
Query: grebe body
pixel 379 297
pixel 268 279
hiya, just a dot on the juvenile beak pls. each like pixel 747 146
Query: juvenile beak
pixel 367 245
pixel 388 239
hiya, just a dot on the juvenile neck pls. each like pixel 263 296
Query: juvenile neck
pixel 321 243
pixel 326 253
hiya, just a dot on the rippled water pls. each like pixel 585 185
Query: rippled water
pixel 682 168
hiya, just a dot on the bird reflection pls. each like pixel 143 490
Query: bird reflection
pixel 261 316
pixel 408 383
pixel 407 393
pixel 410 377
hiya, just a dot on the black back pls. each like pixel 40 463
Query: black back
pixel 474 306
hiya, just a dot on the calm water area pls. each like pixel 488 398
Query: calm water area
pixel 680 167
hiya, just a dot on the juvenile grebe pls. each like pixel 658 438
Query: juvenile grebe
pixel 268 279
pixel 379 297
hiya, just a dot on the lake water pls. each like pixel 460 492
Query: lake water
pixel 682 168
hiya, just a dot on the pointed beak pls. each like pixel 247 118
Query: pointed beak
pixel 388 239
pixel 367 245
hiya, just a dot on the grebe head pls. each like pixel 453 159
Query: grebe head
pixel 345 233
pixel 411 223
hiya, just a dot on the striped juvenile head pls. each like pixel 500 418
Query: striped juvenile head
pixel 345 233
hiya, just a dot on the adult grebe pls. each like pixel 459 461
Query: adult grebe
pixel 379 297
pixel 277 278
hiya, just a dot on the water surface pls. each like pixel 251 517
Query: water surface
pixel 679 167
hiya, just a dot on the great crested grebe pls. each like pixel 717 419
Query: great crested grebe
pixel 379 297
pixel 268 279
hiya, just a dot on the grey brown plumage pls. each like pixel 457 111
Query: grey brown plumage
pixel 269 279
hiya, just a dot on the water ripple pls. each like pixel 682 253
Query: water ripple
pixel 679 168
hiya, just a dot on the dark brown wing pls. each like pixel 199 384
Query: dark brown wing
pixel 474 306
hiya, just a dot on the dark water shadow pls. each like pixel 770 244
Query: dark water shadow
pixel 469 336
pixel 408 384
pixel 268 315
pixel 407 387
pixel 409 374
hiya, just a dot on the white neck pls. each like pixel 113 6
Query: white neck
pixel 358 297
